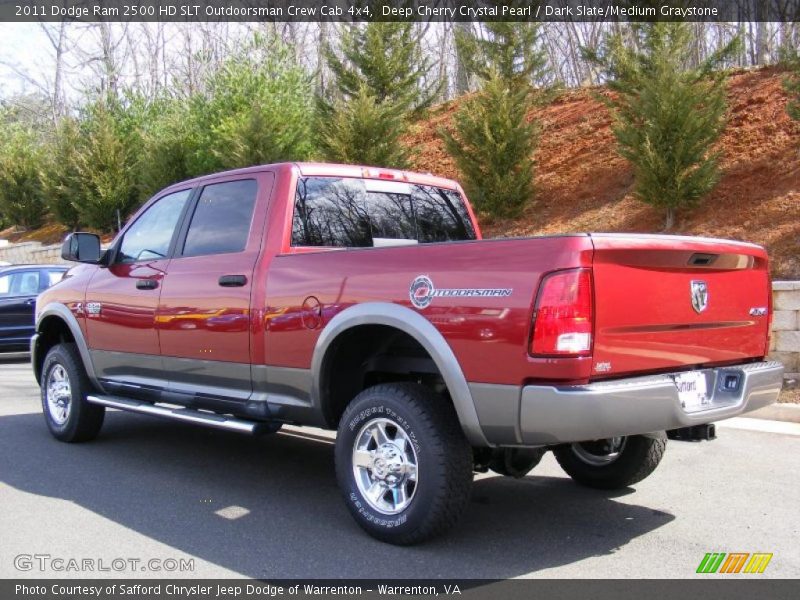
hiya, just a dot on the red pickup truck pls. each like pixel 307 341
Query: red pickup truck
pixel 364 300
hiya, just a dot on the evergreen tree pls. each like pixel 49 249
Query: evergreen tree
pixel 60 177
pixel 383 72
pixel 667 114
pixel 257 109
pixel 387 59
pixel 21 195
pixel 493 147
pixel 792 85
pixel 493 142
pixel 104 165
pixel 169 143
pixel 511 50
pixel 364 130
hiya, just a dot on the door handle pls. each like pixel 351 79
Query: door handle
pixel 30 301
pixel 146 284
pixel 233 280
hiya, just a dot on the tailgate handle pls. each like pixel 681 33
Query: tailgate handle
pixel 702 260
pixel 232 280
pixel 146 284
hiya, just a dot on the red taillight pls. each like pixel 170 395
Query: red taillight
pixel 562 318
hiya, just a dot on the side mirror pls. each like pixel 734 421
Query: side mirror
pixel 81 247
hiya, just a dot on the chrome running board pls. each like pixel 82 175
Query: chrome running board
pixel 187 415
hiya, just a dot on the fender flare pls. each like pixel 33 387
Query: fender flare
pixel 423 331
pixel 56 309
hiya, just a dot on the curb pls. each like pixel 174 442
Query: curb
pixel 777 412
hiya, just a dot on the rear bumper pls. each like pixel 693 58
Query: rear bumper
pixel 553 415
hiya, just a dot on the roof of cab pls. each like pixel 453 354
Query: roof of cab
pixel 310 169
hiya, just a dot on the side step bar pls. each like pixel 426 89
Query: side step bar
pixel 187 415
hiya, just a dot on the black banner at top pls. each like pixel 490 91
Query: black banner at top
pixel 400 10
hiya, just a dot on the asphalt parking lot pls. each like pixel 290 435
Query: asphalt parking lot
pixel 269 508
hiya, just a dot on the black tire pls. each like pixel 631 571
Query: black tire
pixel 440 489
pixel 638 458
pixel 83 420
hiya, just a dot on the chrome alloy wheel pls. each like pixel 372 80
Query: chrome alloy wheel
pixel 601 452
pixel 59 395
pixel 385 466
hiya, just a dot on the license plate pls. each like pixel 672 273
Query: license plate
pixel 692 391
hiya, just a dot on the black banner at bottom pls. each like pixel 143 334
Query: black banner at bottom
pixel 732 588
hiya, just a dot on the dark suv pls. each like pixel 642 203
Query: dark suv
pixel 19 286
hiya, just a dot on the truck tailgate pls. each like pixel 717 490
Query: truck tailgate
pixel 669 302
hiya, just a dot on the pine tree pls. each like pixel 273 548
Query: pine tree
pixel 510 50
pixel 792 85
pixel 21 195
pixel 366 131
pixel 104 162
pixel 387 59
pixel 60 177
pixel 492 141
pixel 380 80
pixel 667 115
pixel 493 147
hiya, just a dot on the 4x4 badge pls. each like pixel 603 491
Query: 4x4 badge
pixel 699 295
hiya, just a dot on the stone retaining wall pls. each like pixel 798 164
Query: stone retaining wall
pixel 785 340
pixel 30 253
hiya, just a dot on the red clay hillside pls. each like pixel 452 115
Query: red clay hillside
pixel 583 185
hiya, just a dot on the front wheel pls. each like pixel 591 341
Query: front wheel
pixel 403 463
pixel 65 386
pixel 613 463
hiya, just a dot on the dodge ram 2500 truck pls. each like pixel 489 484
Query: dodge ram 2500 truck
pixel 364 300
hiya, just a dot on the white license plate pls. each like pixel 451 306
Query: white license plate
pixel 692 391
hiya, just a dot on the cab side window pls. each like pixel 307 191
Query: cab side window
pixel 150 236
pixel 221 221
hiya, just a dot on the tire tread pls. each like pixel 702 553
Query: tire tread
pixel 640 457
pixel 449 448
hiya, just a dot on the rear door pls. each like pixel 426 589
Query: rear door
pixel 668 302
pixel 18 291
pixel 204 319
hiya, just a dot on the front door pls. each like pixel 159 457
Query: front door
pixel 121 301
pixel 204 309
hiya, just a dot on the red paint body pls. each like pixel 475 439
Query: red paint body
pixel 643 318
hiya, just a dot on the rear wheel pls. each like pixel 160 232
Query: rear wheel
pixel 65 386
pixel 403 463
pixel 612 463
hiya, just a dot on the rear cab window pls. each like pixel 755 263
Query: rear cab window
pixel 358 213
